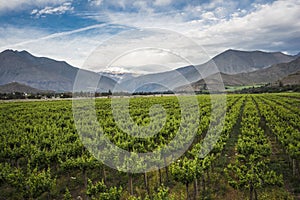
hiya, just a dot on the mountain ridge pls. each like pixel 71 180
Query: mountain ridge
pixel 41 72
pixel 21 88
pixel 234 61
pixel 264 76
pixel 48 74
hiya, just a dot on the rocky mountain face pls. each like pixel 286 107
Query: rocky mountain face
pixel 40 72
pixel 21 88
pixel 235 62
pixel 286 71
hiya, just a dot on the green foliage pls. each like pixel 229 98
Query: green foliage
pixel 31 184
pixel 67 195
pixel 38 182
pixel 39 142
pixel 100 191
pixel 184 170
pixel 162 194
pixel 250 169
pixel 135 198
pixel 5 170
pixel 95 189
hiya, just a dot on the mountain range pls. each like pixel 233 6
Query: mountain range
pixel 229 62
pixel 236 67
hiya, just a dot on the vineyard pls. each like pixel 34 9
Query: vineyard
pixel 256 154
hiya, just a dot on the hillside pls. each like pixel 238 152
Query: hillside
pixel 263 76
pixel 42 73
pixel 292 79
pixel 17 87
pixel 235 62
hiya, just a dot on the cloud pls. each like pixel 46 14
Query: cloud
pixel 177 19
pixel 71 46
pixel 36 36
pixel 162 2
pixel 220 25
pixel 143 61
pixel 95 2
pixel 143 7
pixel 216 26
pixel 12 35
pixel 65 7
pixel 6 6
pixel 141 50
pixel 260 29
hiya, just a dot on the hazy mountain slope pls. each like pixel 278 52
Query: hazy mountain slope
pixel 17 87
pixel 273 73
pixel 263 76
pixel 39 72
pixel 234 61
pixel 292 79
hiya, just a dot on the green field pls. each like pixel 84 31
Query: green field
pixel 236 88
pixel 256 156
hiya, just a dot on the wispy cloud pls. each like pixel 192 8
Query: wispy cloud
pixel 162 2
pixel 6 6
pixel 48 10
pixel 51 36
pixel 71 46
pixel 95 2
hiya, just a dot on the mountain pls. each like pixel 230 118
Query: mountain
pixel 263 76
pixel 229 62
pixel 17 87
pixel 292 79
pixel 235 62
pixel 42 73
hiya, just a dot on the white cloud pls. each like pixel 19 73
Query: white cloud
pixel 143 50
pixel 48 10
pixel 263 26
pixel 162 2
pixel 177 20
pixel 95 2
pixel 213 4
pixel 21 4
pixel 209 16
pixel 268 24
pixel 11 35
pixel 143 7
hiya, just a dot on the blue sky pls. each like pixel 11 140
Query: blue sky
pixel 71 30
